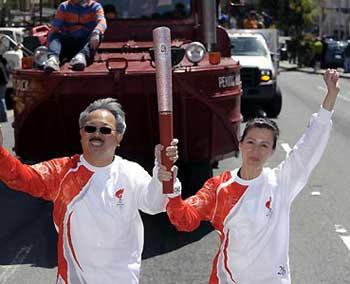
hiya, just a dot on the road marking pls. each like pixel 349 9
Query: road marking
pixel 345 98
pixel 315 193
pixel 10 269
pixel 346 240
pixel 341 232
pixel 340 229
pixel 286 147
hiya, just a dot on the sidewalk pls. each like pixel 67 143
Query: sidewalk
pixel 286 66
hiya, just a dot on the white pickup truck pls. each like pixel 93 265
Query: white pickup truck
pixel 258 57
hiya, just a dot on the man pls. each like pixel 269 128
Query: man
pixel 97 197
pixel 75 34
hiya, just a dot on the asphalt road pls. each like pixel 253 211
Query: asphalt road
pixel 320 240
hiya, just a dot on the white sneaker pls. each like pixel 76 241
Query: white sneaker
pixel 78 62
pixel 52 64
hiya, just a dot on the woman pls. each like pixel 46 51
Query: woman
pixel 250 207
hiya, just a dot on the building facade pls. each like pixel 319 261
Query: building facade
pixel 334 18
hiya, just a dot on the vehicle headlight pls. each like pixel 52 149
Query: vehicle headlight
pixel 40 56
pixel 4 44
pixel 238 79
pixel 195 52
pixel 265 75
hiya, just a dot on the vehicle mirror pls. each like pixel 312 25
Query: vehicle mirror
pixel 5 43
pixel 273 55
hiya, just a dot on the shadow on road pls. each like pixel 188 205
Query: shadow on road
pixel 32 239
pixel 162 237
pixel 32 243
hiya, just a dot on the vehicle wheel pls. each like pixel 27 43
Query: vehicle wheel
pixel 275 106
pixel 193 175
pixel 9 99
pixel 160 235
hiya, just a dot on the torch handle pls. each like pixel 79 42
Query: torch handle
pixel 166 136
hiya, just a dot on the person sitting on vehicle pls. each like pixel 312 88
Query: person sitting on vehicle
pixel 250 206
pixel 96 198
pixel 75 34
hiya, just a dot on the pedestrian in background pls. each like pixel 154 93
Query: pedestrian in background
pixel 346 57
pixel 250 206
pixel 252 21
pixel 292 46
pixel 4 77
pixel 318 51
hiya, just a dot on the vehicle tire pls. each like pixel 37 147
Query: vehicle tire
pixel 9 98
pixel 159 234
pixel 193 175
pixel 275 106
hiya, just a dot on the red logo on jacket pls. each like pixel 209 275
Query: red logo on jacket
pixel 268 206
pixel 268 203
pixel 119 193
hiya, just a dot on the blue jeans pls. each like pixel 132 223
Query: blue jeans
pixel 66 47
pixel 3 115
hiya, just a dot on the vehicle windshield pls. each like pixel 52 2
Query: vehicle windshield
pixel 151 9
pixel 10 33
pixel 248 46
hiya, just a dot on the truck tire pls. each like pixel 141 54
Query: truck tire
pixel 193 175
pixel 165 238
pixel 9 98
pixel 275 106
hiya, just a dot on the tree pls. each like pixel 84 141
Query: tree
pixel 291 16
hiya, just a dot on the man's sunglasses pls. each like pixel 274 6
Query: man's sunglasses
pixel 103 130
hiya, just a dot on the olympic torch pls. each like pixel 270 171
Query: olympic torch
pixel 162 55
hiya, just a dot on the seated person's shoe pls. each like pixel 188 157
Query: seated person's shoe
pixel 52 64
pixel 78 62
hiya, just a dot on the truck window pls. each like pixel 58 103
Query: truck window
pixel 140 9
pixel 9 33
pixel 248 46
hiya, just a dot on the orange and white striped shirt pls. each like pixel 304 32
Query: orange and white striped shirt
pixel 79 21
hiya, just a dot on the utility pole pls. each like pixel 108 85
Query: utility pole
pixel 347 18
pixel 321 19
pixel 339 16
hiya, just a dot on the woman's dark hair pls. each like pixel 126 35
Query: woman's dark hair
pixel 262 123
